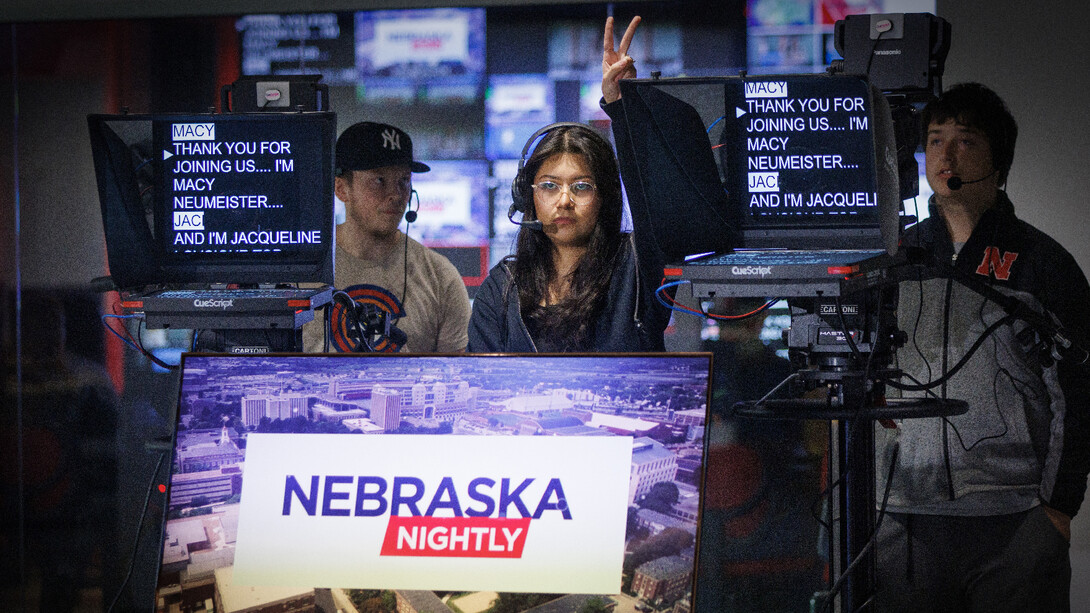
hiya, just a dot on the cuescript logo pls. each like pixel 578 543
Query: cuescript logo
pixel 480 529
pixel 213 303
pixel 751 271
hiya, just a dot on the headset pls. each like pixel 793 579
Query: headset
pixel 410 214
pixel 522 195
pixel 410 218
pixel 955 183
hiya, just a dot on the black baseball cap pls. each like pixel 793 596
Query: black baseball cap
pixel 367 145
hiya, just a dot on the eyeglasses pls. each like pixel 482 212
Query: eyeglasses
pixel 580 192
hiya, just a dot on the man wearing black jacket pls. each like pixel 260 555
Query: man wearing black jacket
pixel 980 504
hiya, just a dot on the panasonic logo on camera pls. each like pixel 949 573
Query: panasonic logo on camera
pixel 751 271
pixel 212 303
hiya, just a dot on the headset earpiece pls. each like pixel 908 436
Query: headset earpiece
pixel 521 200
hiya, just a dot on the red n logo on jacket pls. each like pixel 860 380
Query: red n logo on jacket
pixel 996 264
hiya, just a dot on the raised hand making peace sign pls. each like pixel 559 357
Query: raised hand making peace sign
pixel 617 64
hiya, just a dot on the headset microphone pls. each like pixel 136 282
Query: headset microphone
pixel 955 183
pixel 533 224
pixel 410 215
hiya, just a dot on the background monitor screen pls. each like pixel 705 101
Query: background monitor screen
pixel 433 55
pixel 516 106
pixel 299 43
pixel 453 203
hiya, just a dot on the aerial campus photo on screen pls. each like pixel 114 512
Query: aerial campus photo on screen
pixel 659 401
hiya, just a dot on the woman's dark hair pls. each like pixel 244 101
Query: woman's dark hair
pixel 570 321
pixel 976 106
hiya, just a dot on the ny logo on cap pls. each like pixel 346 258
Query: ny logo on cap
pixel 391 139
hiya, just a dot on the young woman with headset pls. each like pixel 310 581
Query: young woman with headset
pixel 576 281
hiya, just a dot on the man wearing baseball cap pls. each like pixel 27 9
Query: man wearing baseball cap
pixel 421 290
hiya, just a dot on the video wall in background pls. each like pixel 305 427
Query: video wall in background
pixel 470 85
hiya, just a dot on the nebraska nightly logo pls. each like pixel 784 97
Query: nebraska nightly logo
pixel 493 523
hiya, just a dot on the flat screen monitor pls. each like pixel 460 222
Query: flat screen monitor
pixel 435 53
pixel 299 43
pixel 441 482
pixel 242 198
pixel 452 203
pixel 516 106
pixel 799 161
pixel 804 147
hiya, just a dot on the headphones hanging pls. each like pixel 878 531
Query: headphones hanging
pixel 522 196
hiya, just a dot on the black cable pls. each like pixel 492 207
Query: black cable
pixel 927 392
pixel 877 339
pixel 928 387
pixel 960 364
pixel 352 323
pixel 868 602
pixel 1050 330
pixel 1006 427
pixel 995 396
pixel 826 493
pixel 327 318
pixel 839 583
pixel 873 48
pixel 1019 387
pixel 847 333
pixel 791 377
pixel 916 329
pixel 405 268
pixel 348 307
pixel 139 531
pixel 364 336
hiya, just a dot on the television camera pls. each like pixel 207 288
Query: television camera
pixel 804 204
